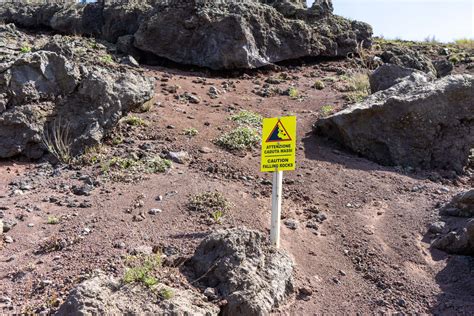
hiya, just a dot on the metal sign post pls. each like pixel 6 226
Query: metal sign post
pixel 276 208
pixel 278 155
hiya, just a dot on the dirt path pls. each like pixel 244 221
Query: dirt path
pixel 370 254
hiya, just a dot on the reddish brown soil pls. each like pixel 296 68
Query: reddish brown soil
pixel 371 255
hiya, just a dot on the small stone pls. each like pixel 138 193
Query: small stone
pixel 154 211
pixel 210 293
pixel 159 198
pixel 181 157
pixel 119 245
pixel 205 150
pixel 8 239
pixel 305 291
pixel 343 273
pixel 31 225
pixel 437 227
pixel 291 223
pixel 130 61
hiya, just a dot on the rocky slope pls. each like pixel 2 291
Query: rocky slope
pixel 60 96
pixel 213 34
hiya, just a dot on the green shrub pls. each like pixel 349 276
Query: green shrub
pixel 140 269
pixel 239 138
pixel 52 220
pixel 191 132
pixel 157 165
pixel 327 110
pixel 107 59
pixel 134 121
pixel 166 294
pixel 319 85
pixel 213 203
pixel 293 93
pixel 25 49
pixel 247 118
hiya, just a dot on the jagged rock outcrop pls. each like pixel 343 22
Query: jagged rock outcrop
pixel 245 270
pixel 210 33
pixel 105 295
pixel 462 205
pixel 46 95
pixel 459 216
pixel 415 123
pixel 406 57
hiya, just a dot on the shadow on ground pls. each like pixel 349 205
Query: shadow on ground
pixel 321 149
pixel 456 282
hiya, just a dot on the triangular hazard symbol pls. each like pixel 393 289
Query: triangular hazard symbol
pixel 279 134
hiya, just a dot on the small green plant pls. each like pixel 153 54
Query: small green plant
pixel 455 59
pixel 191 132
pixel 157 165
pixel 107 59
pixel 140 269
pixel 134 121
pixel 57 140
pixel 52 220
pixel 357 85
pixel 213 203
pixel 319 85
pixel 247 118
pixel 217 216
pixel 327 109
pixel 166 293
pixel 240 138
pixel 293 93
pixel 25 49
pixel 117 140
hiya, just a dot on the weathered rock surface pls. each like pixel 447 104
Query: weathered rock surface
pixel 414 123
pixel 406 57
pixel 105 295
pixel 462 205
pixel 45 93
pixel 214 34
pixel 459 213
pixel 388 75
pixel 250 274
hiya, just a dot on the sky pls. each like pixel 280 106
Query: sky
pixel 446 20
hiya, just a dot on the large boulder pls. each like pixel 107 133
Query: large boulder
pixel 247 34
pixel 388 75
pixel 409 58
pixel 49 101
pixel 106 295
pixel 250 274
pixel 211 33
pixel 415 123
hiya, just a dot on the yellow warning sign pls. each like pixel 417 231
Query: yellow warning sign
pixel 278 144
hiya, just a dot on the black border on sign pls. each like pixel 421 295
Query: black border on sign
pixel 278 141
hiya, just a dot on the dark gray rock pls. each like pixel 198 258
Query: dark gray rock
pixel 104 294
pixel 250 274
pixel 414 123
pixel 387 76
pixel 246 34
pixel 443 67
pixel 211 33
pixel 45 92
pixel 458 242
pixel 406 57
pixel 462 205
